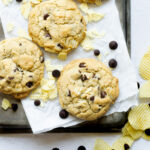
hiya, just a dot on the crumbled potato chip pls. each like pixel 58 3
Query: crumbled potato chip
pixel 144 90
pixel 25 9
pixel 94 17
pixel 139 117
pixel 62 56
pixel 101 145
pixel 6 2
pixel 122 142
pixel 35 2
pixel 92 34
pixel 84 7
pixel 144 68
pixel 87 44
pixel 6 104
pixel 146 137
pixel 98 2
pixel 24 34
pixel 9 27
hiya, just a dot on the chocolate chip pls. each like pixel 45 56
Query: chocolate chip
pixel 126 146
pixel 45 16
pixel 63 114
pixel 37 102
pixel 20 44
pixel 83 77
pixel 92 98
pixel 48 35
pixel 29 84
pixel 10 78
pixel 113 63
pixel 149 104
pixel 19 1
pixel 138 85
pixel 81 147
pixel 56 73
pixel 113 45
pixel 59 45
pixel 16 69
pixel 147 132
pixel 31 76
pixel 8 82
pixel 69 93
pixel 55 149
pixel 1 78
pixel 41 59
pixel 14 107
pixel 103 94
pixel 82 65
pixel 96 52
pixel 81 20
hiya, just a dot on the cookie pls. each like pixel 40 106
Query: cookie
pixel 20 95
pixel 57 25
pixel 98 2
pixel 87 88
pixel 21 67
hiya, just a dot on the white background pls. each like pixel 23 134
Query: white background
pixel 140 42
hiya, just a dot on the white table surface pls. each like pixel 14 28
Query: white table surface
pixel 140 41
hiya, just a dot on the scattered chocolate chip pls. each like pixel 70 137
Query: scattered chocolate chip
pixel 41 59
pixel 81 147
pixel 138 85
pixel 126 146
pixel 113 63
pixel 29 84
pixel 63 114
pixel 82 65
pixel 37 102
pixel 83 77
pixel 10 78
pixel 147 132
pixel 59 45
pixel 92 98
pixel 69 93
pixel 149 104
pixel 48 35
pixel 1 78
pixel 19 1
pixel 113 45
pixel 14 107
pixel 103 94
pixel 56 73
pixel 96 52
pixel 55 149
pixel 45 16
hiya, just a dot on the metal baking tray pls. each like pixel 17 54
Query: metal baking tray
pixel 16 122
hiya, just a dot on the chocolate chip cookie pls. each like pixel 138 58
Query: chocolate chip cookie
pixel 21 67
pixel 87 88
pixel 57 25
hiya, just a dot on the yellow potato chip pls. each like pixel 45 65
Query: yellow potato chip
pixel 123 143
pixel 6 104
pixel 139 117
pixel 146 137
pixel 144 68
pixel 62 56
pixel 144 90
pixel 125 130
pixel 101 145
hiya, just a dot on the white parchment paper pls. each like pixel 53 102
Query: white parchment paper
pixel 46 118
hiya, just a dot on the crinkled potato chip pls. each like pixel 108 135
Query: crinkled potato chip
pixel 144 68
pixel 122 143
pixel 101 145
pixel 144 90
pixel 125 130
pixel 6 104
pixel 139 117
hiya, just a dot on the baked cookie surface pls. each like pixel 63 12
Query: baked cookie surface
pixel 87 88
pixel 21 67
pixel 57 25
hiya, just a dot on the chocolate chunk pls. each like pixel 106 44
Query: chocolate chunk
pixel 96 52
pixel 59 45
pixel 92 98
pixel 82 65
pixel 138 85
pixel 19 1
pixel 14 107
pixel 41 59
pixel 81 147
pixel 55 149
pixel 1 78
pixel 45 16
pixel 113 45
pixel 29 84
pixel 113 63
pixel 56 73
pixel 149 104
pixel 37 102
pixel 63 114
pixel 83 77
pixel 16 69
pixel 103 94
pixel 20 44
pixel 10 78
pixel 147 132
pixel 126 146
pixel 69 93
pixel 48 35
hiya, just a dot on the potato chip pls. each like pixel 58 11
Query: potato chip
pixel 146 137
pixel 87 44
pixel 62 56
pixel 125 130
pixel 144 90
pixel 139 117
pixel 6 104
pixel 9 26
pixel 101 145
pixel 144 68
pixel 123 142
